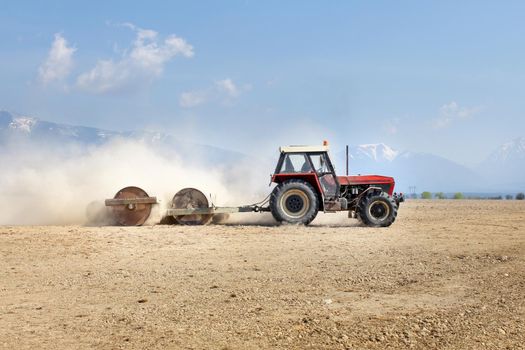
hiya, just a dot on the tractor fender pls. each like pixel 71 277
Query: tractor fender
pixel 370 191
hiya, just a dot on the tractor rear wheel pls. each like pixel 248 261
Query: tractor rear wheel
pixel 377 210
pixel 294 201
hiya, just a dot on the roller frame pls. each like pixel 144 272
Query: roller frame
pixel 126 201
pixel 215 210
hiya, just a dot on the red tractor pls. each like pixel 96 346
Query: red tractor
pixel 306 183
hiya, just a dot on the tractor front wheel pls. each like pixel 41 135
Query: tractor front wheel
pixel 377 210
pixel 295 202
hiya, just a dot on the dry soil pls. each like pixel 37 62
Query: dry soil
pixel 446 275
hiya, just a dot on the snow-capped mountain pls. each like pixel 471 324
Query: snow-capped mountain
pixel 13 126
pixel 378 152
pixel 509 152
pixel 502 171
pixel 20 129
pixel 23 124
pixel 505 167
pixel 426 172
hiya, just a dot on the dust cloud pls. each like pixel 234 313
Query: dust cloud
pixel 52 186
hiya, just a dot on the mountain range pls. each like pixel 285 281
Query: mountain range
pixel 501 171
pixel 22 129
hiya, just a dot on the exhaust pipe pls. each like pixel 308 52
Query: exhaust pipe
pixel 346 160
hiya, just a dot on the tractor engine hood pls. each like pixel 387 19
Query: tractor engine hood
pixel 368 180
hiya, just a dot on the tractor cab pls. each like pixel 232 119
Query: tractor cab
pixel 311 164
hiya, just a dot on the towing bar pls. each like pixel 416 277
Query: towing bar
pixel 216 210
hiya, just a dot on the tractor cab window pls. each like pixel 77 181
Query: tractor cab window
pixel 320 163
pixel 295 163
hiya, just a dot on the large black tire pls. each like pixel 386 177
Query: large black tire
pixel 377 210
pixel 294 201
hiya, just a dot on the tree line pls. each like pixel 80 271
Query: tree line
pixel 460 195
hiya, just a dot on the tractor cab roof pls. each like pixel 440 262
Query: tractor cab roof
pixel 303 149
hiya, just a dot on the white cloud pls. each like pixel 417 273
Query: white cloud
pixel 224 91
pixel 227 85
pixel 392 126
pixel 142 63
pixel 59 61
pixel 192 99
pixel 450 112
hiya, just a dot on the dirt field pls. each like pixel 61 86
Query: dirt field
pixel 447 275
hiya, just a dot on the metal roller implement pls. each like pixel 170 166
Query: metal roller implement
pixel 191 198
pixel 131 206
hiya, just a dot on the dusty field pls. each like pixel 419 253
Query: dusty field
pixel 447 275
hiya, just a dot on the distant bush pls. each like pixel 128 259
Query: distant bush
pixel 509 197
pixel 426 195
pixel 439 195
pixel 496 197
pixel 520 196
pixel 458 195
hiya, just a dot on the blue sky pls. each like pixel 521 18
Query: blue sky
pixel 444 77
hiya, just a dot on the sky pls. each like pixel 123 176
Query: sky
pixel 443 77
